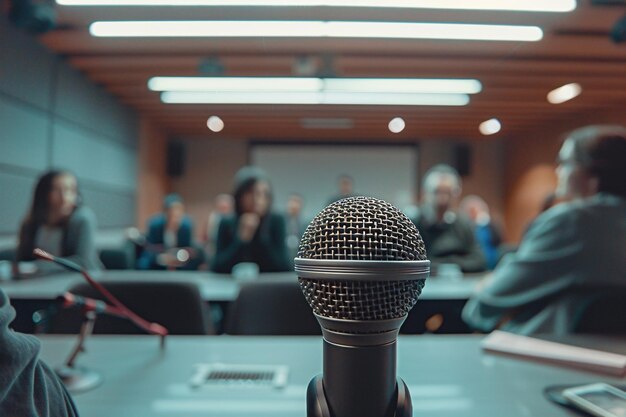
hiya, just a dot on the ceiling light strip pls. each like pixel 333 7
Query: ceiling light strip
pixel 311 84
pixel 319 98
pixel 315 29
pixel 498 5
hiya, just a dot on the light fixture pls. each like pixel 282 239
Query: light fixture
pixel 564 93
pixel 396 125
pixel 506 5
pixel 215 124
pixel 490 127
pixel 316 29
pixel 326 123
pixel 336 98
pixel 309 84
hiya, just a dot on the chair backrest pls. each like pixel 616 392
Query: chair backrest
pixel 176 305
pixel 121 257
pixel 603 313
pixel 7 254
pixel 271 308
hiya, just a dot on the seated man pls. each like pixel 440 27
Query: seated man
pixel 571 251
pixel 167 232
pixel 448 236
pixel 27 386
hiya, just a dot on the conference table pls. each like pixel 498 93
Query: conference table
pixel 30 294
pixel 448 376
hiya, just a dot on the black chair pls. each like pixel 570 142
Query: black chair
pixel 122 257
pixel 176 305
pixel 7 254
pixel 602 313
pixel 271 308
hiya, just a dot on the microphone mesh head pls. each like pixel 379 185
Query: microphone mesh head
pixel 361 229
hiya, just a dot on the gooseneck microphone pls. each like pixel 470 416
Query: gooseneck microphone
pixel 361 265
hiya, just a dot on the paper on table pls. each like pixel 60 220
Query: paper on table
pixel 558 353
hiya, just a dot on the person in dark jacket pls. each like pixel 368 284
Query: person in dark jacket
pixel 448 235
pixel 58 223
pixel 28 387
pixel 168 232
pixel 253 233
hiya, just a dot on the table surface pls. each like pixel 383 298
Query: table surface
pixel 213 287
pixel 448 376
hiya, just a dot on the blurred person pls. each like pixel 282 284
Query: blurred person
pixel 578 244
pixel 253 233
pixel 487 233
pixel 168 232
pixel 448 236
pixel 58 223
pixel 224 206
pixel 28 387
pixel 345 185
pixel 295 225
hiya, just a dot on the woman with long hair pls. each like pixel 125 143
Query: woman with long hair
pixel 58 223
pixel 253 233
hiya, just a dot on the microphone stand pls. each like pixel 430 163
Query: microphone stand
pixel 78 378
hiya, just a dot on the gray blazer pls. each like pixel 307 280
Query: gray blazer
pixel 567 251
pixel 78 242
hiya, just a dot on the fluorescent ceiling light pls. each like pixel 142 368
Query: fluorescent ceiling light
pixel 564 93
pixel 326 123
pixel 490 127
pixel 315 29
pixel 309 84
pixel 507 5
pixel 338 98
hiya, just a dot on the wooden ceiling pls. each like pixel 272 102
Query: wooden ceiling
pixel 516 76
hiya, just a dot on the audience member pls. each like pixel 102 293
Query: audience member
pixel 253 233
pixel 448 236
pixel 579 244
pixel 224 205
pixel 168 232
pixel 295 224
pixel 487 233
pixel 58 223
pixel 28 387
pixel 345 185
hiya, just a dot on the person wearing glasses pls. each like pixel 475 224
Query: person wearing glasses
pixel 58 223
pixel 572 251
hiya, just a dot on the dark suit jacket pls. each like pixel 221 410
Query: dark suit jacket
pixel 267 248
pixel 156 235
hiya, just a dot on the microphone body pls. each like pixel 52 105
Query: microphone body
pixel 360 381
pixel 361 265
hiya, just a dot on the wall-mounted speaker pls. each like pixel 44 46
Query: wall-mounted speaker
pixel 462 159
pixel 176 156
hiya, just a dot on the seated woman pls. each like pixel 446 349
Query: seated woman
pixel 571 252
pixel 253 233
pixel 58 223
pixel 168 232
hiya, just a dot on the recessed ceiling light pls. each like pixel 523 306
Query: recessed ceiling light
pixel 564 93
pixel 490 127
pixel 507 5
pixel 332 98
pixel 309 84
pixel 215 124
pixel 396 125
pixel 316 29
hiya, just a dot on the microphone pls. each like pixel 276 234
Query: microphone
pixel 68 300
pixel 361 265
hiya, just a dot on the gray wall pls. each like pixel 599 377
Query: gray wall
pixel 51 116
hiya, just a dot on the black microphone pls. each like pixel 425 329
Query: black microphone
pixel 361 265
